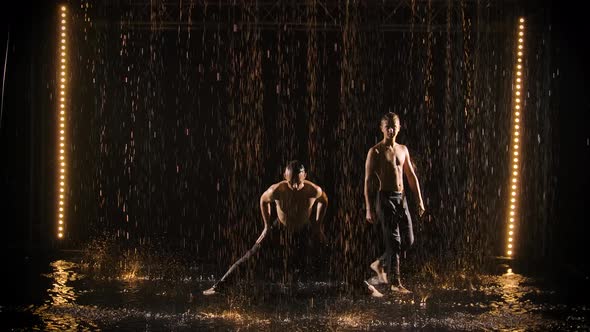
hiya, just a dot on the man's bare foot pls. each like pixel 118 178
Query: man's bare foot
pixel 209 291
pixel 373 290
pixel 378 268
pixel 400 289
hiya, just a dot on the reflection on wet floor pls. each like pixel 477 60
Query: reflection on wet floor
pixel 75 298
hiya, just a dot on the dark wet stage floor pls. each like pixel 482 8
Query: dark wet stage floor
pixel 59 293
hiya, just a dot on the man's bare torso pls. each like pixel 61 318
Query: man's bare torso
pixel 294 206
pixel 389 163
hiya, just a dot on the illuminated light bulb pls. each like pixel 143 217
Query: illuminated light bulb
pixel 509 271
pixel 513 180
pixel 519 60
pixel 60 228
pixel 522 20
pixel 516 146
pixel 63 164
pixel 518 93
pixel 511 226
pixel 512 206
pixel 61 215
pixel 512 213
pixel 520 47
pixel 517 100
pixel 521 27
pixel 510 233
pixel 61 158
pixel 514 186
pixel 518 85
pixel 517 113
pixel 519 53
pixel 517 120
pixel 513 194
pixel 520 40
pixel 60 235
pixel 516 127
pixel 518 79
pixel 63 8
pixel 516 133
pixel 515 173
pixel 510 246
pixel 509 239
pixel 61 222
pixel 509 252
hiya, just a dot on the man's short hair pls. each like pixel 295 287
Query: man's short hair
pixel 295 167
pixel 390 117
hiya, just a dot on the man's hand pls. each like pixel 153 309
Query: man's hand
pixel 370 216
pixel 421 209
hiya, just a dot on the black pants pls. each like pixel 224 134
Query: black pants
pixel 396 223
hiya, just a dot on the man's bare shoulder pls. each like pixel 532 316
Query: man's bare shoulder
pixel 314 189
pixel 376 149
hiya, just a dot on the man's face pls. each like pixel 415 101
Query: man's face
pixel 389 128
pixel 295 180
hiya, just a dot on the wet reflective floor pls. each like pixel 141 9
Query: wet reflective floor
pixel 61 293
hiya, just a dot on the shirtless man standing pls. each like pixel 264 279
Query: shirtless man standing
pixel 389 161
pixel 295 199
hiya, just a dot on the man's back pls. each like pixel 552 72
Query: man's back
pixel 294 206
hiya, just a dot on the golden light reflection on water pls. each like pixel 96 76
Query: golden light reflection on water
pixel 62 292
pixel 55 314
pixel 352 319
pixel 236 317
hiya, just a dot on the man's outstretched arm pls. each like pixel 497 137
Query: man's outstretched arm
pixel 413 181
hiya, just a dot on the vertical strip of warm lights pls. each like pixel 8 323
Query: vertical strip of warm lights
pixel 61 121
pixel 515 156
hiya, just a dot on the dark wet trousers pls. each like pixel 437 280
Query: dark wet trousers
pixel 398 235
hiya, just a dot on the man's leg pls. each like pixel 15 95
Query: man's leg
pixel 403 228
pixel 244 258
pixel 382 265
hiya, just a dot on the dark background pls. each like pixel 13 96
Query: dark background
pixel 26 130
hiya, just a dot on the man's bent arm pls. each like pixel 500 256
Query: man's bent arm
pixel 265 201
pixel 322 204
